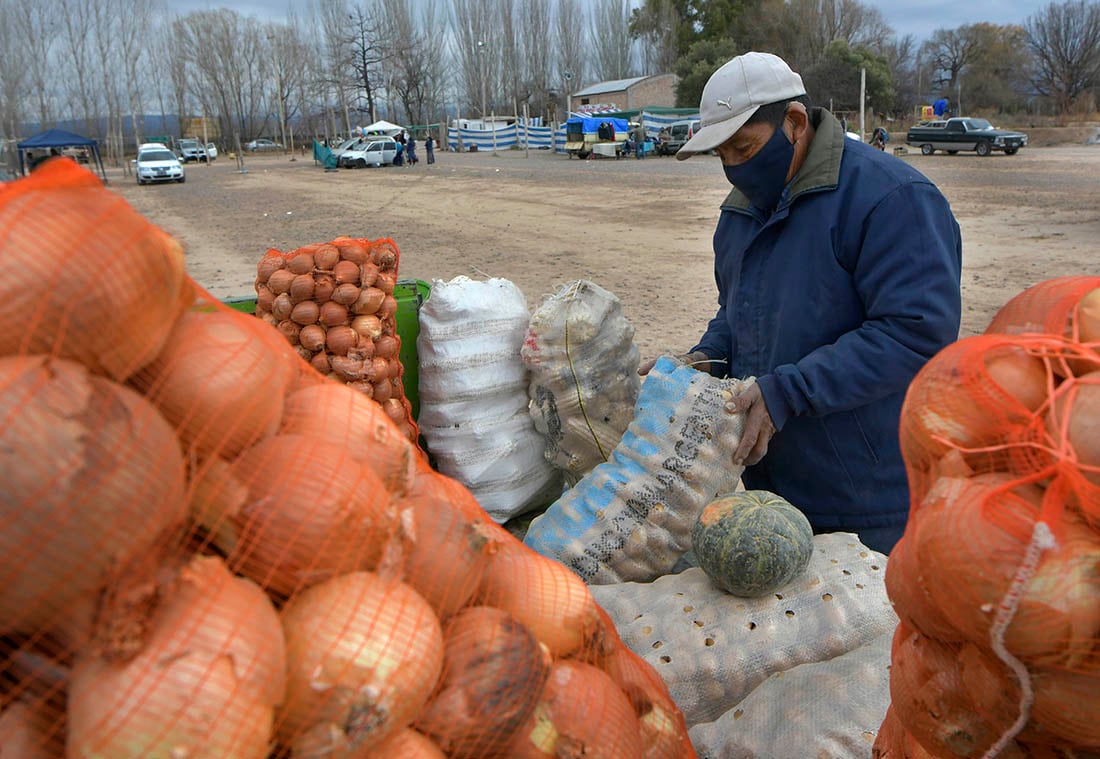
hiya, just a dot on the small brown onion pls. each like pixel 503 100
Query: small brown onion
pixel 306 312
pixel 370 299
pixel 282 306
pixel 346 271
pixel 321 363
pixel 305 353
pixel 301 288
pixel 388 307
pixel 386 281
pixel 351 250
pixel 301 263
pixel 290 330
pixel 264 297
pixel 387 259
pixel 395 410
pixel 269 318
pixel 269 264
pixel 368 325
pixel 324 286
pixel 366 388
pixel 280 280
pixel 379 369
pixel 363 349
pixel 340 340
pixel 346 294
pixel 386 346
pixel 326 256
pixel 348 368
pixel 368 274
pixel 333 314
pixel 395 373
pixel 383 391
pixel 312 337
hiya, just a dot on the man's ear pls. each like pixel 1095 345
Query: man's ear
pixel 799 119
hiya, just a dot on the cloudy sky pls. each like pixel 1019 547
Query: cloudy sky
pixel 917 17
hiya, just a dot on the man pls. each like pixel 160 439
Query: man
pixel 942 108
pixel 639 142
pixel 838 273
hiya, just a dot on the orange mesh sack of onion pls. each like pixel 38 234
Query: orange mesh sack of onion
pixel 997 577
pixel 211 549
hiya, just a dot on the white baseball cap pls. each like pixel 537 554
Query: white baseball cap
pixel 735 92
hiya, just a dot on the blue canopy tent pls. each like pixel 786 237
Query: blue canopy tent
pixel 59 139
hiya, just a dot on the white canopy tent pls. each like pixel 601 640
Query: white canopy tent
pixel 387 128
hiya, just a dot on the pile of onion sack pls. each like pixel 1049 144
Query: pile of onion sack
pixel 334 303
pixel 210 549
pixel 997 578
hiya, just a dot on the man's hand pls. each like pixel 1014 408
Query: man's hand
pixel 698 360
pixel 758 425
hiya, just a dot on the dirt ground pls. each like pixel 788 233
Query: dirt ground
pixel 641 229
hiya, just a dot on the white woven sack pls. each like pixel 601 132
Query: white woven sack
pixel 473 395
pixel 584 375
pixel 831 709
pixel 713 649
pixel 630 518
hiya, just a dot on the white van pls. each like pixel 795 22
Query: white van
pixel 369 151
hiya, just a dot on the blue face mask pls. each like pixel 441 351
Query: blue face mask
pixel 763 177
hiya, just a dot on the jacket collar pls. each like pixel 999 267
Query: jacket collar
pixel 820 170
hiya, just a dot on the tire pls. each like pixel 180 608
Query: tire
pixel 140 181
pixel 983 149
pixel 952 152
pixel 361 164
pixel 181 180
pixel 927 149
pixel 1011 151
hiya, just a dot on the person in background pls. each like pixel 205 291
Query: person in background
pixel 639 142
pixel 429 148
pixel 942 108
pixel 838 270
pixel 410 150
pixel 399 158
pixel 880 137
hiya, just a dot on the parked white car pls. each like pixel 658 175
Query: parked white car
pixel 156 163
pixel 211 151
pixel 372 151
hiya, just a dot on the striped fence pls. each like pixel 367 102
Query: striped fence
pixel 539 137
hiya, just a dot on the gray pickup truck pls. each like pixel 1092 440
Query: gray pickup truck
pixel 967 134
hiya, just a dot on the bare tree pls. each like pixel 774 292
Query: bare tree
pixel 13 74
pixel 36 30
pixel 333 16
pixel 1065 41
pixel 367 52
pixel 408 59
pixel 611 47
pixel 477 47
pixel 435 61
pixel 74 16
pixel 950 51
pixel 814 24
pixel 656 26
pixel 534 35
pixel 572 46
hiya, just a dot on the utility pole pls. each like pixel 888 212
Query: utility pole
pixel 862 103
pixel 481 61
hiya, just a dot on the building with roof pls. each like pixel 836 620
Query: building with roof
pixel 625 94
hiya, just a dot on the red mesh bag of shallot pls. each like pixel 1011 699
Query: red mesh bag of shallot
pixel 212 549
pixel 997 577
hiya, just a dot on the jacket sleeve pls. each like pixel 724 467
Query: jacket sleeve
pixel 907 273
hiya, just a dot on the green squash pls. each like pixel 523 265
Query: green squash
pixel 752 543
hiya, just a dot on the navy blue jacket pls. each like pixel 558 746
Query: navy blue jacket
pixel 834 302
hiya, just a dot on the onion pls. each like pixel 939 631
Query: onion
pixel 326 256
pixel 380 370
pixel 386 282
pixel 368 274
pixel 542 594
pixel 385 258
pixel 448 541
pixel 86 276
pixel 312 337
pixel 340 340
pixel 301 263
pixel 264 298
pixel 323 288
pixel 363 655
pixel 387 346
pixel 663 730
pixel 363 350
pixel 353 250
pixel 312 512
pixel 25 732
pixel 909 594
pixel 301 288
pixel 395 410
pixel 282 307
pixel 408 744
pixel 369 300
pixel 346 294
pixel 1074 420
pixel 581 712
pixel 346 272
pixel 1088 319
pixel 348 368
pixel 280 281
pixel 320 362
pixel 1065 706
pixel 206 381
pixel 289 330
pixel 92 478
pixel 340 415
pixel 272 261
pixel 388 307
pixel 268 318
pixel 306 312
pixel 205 684
pixel 494 669
pixel 366 388
pixel 368 325
pixel 383 390
pixel 333 314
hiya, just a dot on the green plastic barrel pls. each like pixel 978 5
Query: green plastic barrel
pixel 410 294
